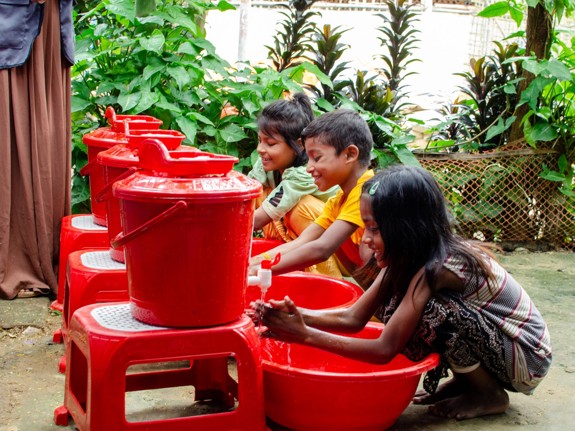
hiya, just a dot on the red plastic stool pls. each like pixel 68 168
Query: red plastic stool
pixel 93 277
pixel 77 232
pixel 105 340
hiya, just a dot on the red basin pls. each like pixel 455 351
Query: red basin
pixel 308 290
pixel 308 389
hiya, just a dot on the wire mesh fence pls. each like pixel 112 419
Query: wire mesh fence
pixel 501 197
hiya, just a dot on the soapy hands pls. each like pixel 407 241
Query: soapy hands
pixel 281 318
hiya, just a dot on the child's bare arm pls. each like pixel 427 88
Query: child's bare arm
pixel 314 245
pixel 261 218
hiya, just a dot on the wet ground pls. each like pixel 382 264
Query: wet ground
pixel 31 386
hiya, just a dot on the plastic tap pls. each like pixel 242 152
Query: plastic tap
pixel 263 279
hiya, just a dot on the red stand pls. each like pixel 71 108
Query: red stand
pixel 104 340
pixel 77 232
pixel 93 277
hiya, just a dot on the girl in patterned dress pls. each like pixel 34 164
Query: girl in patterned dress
pixel 436 292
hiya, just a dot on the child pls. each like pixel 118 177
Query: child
pixel 435 293
pixel 338 145
pixel 290 201
pixel 281 170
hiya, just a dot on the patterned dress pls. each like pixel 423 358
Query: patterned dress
pixel 497 326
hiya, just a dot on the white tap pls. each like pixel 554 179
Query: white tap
pixel 263 279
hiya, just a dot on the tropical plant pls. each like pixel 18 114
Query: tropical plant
pixel 328 53
pixel 539 35
pixel 294 40
pixel 162 65
pixel 399 39
pixel 482 119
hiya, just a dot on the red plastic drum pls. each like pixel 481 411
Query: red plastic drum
pixel 102 139
pixel 187 223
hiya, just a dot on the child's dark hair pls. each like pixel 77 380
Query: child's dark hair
pixel 415 226
pixel 340 129
pixel 287 118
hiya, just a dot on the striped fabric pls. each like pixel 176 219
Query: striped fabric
pixel 527 342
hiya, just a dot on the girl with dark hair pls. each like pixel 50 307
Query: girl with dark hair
pixel 436 292
pixel 291 201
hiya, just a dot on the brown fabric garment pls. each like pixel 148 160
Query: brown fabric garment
pixel 35 165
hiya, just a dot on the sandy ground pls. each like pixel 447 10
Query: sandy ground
pixel 32 387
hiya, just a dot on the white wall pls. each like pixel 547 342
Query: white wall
pixel 443 47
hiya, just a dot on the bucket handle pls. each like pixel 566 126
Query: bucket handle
pixel 122 239
pixel 87 168
pixel 102 195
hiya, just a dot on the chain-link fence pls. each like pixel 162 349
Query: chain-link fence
pixel 501 197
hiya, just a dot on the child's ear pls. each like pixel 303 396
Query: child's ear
pixel 351 153
pixel 299 143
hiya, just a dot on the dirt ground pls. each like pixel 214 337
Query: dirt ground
pixel 31 386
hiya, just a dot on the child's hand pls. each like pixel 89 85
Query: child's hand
pixel 283 320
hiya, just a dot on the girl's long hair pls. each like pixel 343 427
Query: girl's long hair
pixel 288 117
pixel 416 228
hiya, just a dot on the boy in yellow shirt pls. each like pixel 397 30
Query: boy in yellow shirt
pixel 338 145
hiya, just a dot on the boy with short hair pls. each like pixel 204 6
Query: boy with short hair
pixel 338 145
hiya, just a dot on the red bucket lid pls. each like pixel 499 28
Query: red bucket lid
pixel 172 139
pixel 104 137
pixel 119 156
pixel 137 122
pixel 143 186
pixel 155 157
pixel 190 174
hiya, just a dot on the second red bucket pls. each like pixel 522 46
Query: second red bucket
pixel 187 224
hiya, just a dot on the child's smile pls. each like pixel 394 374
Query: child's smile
pixel 275 153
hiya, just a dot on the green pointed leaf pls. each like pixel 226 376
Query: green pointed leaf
pixel 180 75
pixel 232 133
pixel 559 70
pixel 150 70
pixel 154 43
pixel 147 99
pixel 224 6
pixel 543 131
pixel 79 104
pixel 129 100
pixel 495 9
pixel 188 128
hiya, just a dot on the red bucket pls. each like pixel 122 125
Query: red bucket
pixel 117 163
pixel 97 141
pixel 187 223
pixel 121 161
pixel 102 139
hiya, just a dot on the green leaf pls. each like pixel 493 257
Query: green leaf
pixel 559 70
pixel 188 48
pixel 129 100
pixel 154 43
pixel 147 99
pixel 180 75
pixel 543 131
pixel 188 128
pixel 224 6
pixel 79 104
pixel 201 118
pixel 232 133
pixel 552 176
pixel 494 10
pixel 150 70
pixel 516 15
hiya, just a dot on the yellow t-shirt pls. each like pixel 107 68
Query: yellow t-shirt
pixel 338 208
